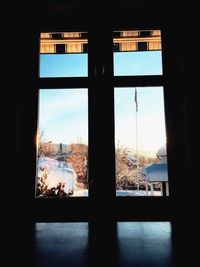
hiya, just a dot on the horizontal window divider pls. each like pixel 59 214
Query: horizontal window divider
pixel 72 82
pixel 154 80
pixel 119 209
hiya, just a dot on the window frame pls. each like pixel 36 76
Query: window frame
pixel 118 208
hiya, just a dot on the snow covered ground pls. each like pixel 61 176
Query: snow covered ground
pixel 121 193
pixel 130 193
pixel 64 173
pixel 56 172
pixel 80 193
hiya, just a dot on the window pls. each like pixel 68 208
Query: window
pixel 62 147
pixel 62 143
pixel 140 133
pixel 104 80
pixel 62 156
pixel 137 52
pixel 106 74
pixel 63 54
pixel 140 142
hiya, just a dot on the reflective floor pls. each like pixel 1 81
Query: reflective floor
pixel 144 244
pixel 61 244
pixel 135 244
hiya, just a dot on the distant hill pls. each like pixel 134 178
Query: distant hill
pixel 55 147
pixel 144 153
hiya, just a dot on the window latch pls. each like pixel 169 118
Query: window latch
pixel 99 70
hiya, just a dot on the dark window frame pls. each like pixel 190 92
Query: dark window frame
pixel 96 205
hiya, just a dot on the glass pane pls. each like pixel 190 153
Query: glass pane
pixel 63 54
pixel 62 161
pixel 140 142
pixel 137 52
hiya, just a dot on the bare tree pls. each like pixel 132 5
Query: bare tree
pixel 78 157
pixel 40 143
pixel 125 170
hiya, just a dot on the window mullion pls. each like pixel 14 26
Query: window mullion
pixel 101 117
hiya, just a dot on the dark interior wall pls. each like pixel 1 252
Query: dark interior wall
pixel 28 20
pixel 33 18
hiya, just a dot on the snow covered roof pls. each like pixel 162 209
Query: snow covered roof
pixel 161 152
pixel 156 172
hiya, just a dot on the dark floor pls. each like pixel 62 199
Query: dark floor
pixel 137 244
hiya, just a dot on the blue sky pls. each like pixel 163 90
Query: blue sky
pixel 150 118
pixel 138 63
pixel 59 65
pixel 63 113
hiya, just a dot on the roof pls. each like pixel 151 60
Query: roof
pixel 156 172
pixel 161 152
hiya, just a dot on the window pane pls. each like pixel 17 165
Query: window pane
pixel 137 52
pixel 140 142
pixel 63 54
pixel 62 160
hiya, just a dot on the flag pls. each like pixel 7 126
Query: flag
pixel 136 101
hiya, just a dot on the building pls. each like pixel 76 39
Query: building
pixel 157 172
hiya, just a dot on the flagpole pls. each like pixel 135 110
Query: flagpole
pixel 136 130
pixel 136 137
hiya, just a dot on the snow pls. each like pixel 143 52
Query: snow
pixel 120 193
pixel 80 193
pixel 131 193
pixel 61 172
pixel 58 172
